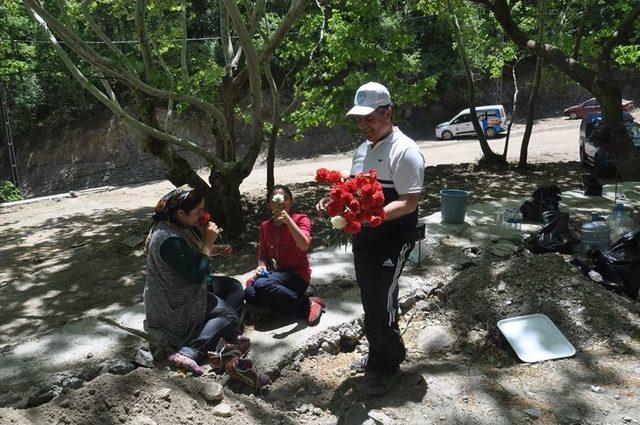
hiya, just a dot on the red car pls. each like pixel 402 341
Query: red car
pixel 590 106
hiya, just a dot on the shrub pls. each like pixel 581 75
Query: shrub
pixel 9 192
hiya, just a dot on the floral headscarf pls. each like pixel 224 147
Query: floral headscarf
pixel 166 206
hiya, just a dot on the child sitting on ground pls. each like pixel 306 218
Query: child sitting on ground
pixel 283 273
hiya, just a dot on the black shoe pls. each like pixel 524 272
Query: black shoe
pixel 381 382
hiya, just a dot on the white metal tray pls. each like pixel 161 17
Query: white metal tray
pixel 535 338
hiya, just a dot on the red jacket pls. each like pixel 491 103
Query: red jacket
pixel 277 242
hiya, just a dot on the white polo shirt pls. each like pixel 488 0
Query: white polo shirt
pixel 397 161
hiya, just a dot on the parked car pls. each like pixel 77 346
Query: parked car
pixel 492 118
pixel 591 106
pixel 592 153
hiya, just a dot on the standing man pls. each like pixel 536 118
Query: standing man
pixel 380 252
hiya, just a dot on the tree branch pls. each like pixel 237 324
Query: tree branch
pixel 103 36
pixel 70 38
pixel 569 66
pixel 163 64
pixel 114 106
pixel 276 39
pixel 141 32
pixel 621 34
pixel 227 44
pixel 255 84
pixel 580 33
pixel 109 90
pixel 183 50
pixel 113 69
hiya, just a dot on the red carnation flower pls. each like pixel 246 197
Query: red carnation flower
pixel 349 215
pixel 324 176
pixel 346 197
pixel 378 199
pixel 334 177
pixel 321 175
pixel 367 203
pixel 334 209
pixel 361 180
pixel 368 190
pixel 375 221
pixel 351 185
pixel 353 227
pixel 204 219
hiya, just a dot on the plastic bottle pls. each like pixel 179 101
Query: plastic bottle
pixel 508 218
pixel 499 217
pixel 520 219
pixel 619 221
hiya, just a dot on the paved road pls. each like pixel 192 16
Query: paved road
pixel 554 139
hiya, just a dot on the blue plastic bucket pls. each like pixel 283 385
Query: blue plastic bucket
pixel 453 205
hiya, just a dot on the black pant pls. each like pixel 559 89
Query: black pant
pixel 378 263
pixel 283 291
pixel 224 305
pixel 230 290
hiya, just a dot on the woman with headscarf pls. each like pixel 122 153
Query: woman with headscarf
pixel 184 303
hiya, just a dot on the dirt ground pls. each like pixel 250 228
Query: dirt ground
pixel 476 378
pixel 56 253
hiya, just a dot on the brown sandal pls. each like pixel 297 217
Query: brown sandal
pixel 219 359
pixel 244 371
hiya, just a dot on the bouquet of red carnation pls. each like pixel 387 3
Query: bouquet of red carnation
pixel 354 202
pixel 204 219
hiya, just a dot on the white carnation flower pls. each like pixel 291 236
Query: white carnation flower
pixel 338 222
pixel 278 198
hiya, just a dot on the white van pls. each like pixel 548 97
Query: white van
pixel 492 118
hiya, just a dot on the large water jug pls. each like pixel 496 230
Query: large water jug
pixel 595 235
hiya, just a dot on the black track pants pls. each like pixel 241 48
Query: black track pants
pixel 378 266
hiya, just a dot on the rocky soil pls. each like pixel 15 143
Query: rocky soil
pixel 459 368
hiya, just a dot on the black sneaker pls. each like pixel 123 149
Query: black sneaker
pixel 381 382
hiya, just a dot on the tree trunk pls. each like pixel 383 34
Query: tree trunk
pixel 513 112
pixel 271 159
pixel 614 137
pixel 489 156
pixel 177 169
pixel 223 202
pixel 531 109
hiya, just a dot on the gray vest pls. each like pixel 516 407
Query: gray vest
pixel 174 307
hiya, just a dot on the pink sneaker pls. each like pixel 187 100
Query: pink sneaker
pixel 319 301
pixel 180 361
pixel 315 311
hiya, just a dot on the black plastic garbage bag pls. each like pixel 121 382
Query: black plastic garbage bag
pixel 592 186
pixel 554 236
pixel 620 264
pixel 546 198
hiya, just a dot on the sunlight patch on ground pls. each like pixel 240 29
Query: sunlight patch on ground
pixel 38 305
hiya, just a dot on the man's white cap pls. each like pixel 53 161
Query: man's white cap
pixel 368 97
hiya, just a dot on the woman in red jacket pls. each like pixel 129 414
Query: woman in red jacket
pixel 283 271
